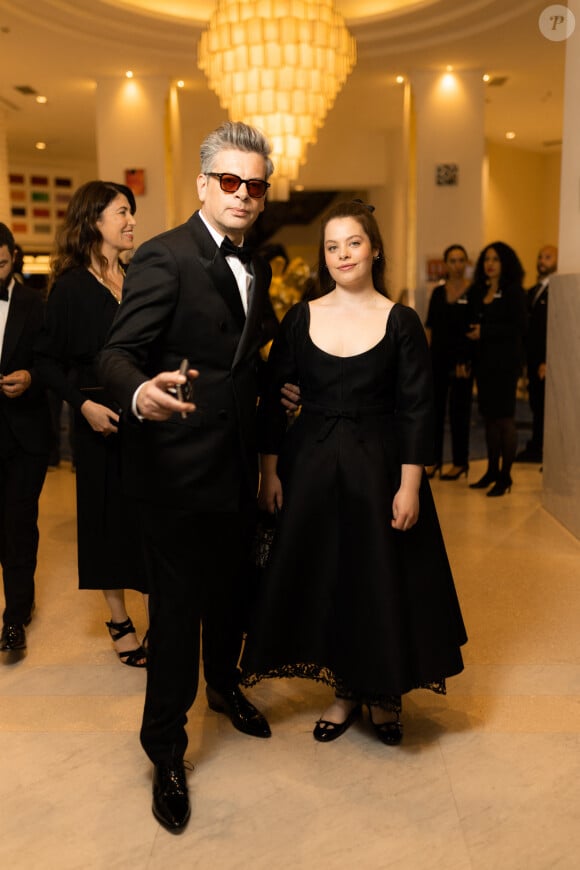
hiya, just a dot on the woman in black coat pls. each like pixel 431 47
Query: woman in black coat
pixel 84 294
pixel 498 318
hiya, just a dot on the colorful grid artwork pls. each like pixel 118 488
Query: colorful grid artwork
pixel 38 201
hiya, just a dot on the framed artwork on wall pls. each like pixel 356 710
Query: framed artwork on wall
pixel 38 202
pixel 135 181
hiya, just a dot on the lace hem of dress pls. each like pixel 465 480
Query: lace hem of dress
pixel 321 674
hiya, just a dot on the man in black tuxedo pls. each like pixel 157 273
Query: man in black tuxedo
pixel 536 351
pixel 192 294
pixel 24 439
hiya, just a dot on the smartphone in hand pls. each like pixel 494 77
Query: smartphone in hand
pixel 184 391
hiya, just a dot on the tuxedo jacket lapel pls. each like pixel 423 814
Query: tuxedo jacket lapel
pixel 220 273
pixel 14 326
pixel 253 326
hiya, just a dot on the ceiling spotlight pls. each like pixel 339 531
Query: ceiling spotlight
pixel 400 80
pixel 486 77
pixel 42 100
pixel 40 146
pixel 510 134
pixel 180 83
pixel 129 74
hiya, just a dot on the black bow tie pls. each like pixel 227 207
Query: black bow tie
pixel 228 249
pixel 3 291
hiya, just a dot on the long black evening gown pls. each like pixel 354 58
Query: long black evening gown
pixel 79 314
pixel 345 598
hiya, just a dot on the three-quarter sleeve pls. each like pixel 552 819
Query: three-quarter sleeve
pixel 281 368
pixel 414 390
pixel 53 355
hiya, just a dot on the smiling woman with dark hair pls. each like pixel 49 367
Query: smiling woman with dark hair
pixel 358 592
pixel 86 285
pixel 498 319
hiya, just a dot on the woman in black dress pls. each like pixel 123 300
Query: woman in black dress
pixel 85 289
pixel 358 592
pixel 446 325
pixel 498 319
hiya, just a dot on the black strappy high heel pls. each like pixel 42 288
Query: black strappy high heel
pixel 134 658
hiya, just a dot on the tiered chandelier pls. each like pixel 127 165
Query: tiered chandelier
pixel 278 65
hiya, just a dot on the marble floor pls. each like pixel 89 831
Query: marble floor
pixel 488 777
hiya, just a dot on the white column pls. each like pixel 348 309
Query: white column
pixel 449 130
pixel 562 425
pixel 5 215
pixel 132 134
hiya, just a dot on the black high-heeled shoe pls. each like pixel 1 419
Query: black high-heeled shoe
pixel 488 478
pixel 463 469
pixel 389 733
pixel 325 731
pixel 433 470
pixel 503 485
pixel 134 658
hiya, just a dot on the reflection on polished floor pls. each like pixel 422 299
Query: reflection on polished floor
pixel 487 777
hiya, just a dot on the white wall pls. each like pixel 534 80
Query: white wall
pixel 449 128
pixel 132 134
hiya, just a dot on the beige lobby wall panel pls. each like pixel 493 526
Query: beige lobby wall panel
pixel 522 201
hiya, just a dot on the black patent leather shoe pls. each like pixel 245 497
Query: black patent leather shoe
pixel 326 731
pixel 13 637
pixel 243 715
pixel 170 797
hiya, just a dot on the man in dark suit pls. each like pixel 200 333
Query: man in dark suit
pixel 536 351
pixel 24 438
pixel 193 467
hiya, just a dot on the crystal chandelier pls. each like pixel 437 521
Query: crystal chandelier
pixel 278 65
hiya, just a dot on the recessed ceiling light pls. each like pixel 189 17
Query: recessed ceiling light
pixel 180 83
pixel 40 146
pixel 42 100
pixel 510 134
pixel 129 74
pixel 486 77
pixel 400 80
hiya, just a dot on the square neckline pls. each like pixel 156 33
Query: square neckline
pixel 352 355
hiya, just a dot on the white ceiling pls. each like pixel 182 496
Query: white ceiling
pixel 61 47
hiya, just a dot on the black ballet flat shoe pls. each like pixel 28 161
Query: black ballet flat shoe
pixel 325 731
pixel 433 470
pixel 134 658
pixel 448 476
pixel 485 481
pixel 500 488
pixel 389 733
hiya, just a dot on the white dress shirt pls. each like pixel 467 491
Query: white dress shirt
pixel 4 305
pixel 242 276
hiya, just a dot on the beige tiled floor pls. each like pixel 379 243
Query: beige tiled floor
pixel 488 778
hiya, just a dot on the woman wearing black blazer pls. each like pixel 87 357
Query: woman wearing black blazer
pixel 84 294
pixel 497 327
